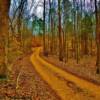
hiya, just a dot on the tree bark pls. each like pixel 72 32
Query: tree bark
pixel 4 31
pixel 97 37
pixel 44 44
pixel 60 33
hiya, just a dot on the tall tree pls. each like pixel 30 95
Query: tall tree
pixel 4 31
pixel 44 35
pixel 97 15
pixel 60 32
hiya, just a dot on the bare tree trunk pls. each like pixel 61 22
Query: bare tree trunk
pixel 97 37
pixel 44 47
pixel 60 33
pixel 4 33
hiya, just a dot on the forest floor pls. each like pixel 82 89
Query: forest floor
pixel 86 68
pixel 25 84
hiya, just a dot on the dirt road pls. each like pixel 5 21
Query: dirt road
pixel 66 85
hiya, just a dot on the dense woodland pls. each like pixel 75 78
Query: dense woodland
pixel 67 29
pixel 73 29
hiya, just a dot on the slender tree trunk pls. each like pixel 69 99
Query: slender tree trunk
pixel 44 35
pixel 86 44
pixel 92 37
pixel 52 35
pixel 97 37
pixel 60 33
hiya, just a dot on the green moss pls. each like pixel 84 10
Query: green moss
pixel 3 77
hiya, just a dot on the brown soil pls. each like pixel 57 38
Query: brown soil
pixel 86 69
pixel 25 84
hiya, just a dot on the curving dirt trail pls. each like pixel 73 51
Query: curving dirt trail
pixel 66 85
